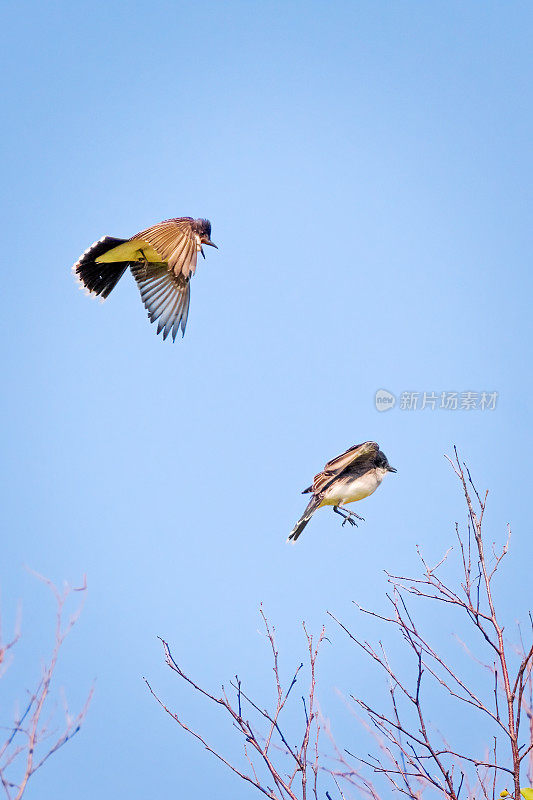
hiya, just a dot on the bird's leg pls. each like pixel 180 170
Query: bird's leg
pixel 353 514
pixel 145 262
pixel 345 514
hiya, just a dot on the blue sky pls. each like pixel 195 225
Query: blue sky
pixel 367 169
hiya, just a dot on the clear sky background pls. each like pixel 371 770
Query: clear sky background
pixel 367 168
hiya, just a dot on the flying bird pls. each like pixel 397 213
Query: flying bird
pixel 162 260
pixel 351 476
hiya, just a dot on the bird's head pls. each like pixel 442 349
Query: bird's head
pixel 382 462
pixel 203 227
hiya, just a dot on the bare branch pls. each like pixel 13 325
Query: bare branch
pixel 408 748
pixel 27 746
pixel 292 769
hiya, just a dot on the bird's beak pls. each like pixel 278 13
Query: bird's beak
pixel 391 469
pixel 211 244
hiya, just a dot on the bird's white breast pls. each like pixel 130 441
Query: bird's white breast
pixel 344 491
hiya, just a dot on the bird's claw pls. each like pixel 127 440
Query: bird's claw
pixel 350 520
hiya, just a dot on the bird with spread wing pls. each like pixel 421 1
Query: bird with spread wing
pixel 351 476
pixel 162 260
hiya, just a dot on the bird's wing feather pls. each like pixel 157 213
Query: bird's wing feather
pixel 176 242
pixel 165 296
pixel 358 453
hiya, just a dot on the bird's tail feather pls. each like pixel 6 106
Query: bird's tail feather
pixel 100 278
pixel 304 519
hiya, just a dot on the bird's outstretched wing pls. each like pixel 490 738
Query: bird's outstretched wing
pixel 359 452
pixel 164 285
pixel 165 296
pixel 176 242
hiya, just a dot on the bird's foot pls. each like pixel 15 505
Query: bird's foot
pixel 347 515
pixel 353 514
pixel 350 520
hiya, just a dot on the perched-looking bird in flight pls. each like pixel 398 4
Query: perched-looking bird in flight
pixel 162 260
pixel 351 476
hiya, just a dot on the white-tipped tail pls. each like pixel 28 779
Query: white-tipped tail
pixel 304 519
pixel 96 278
